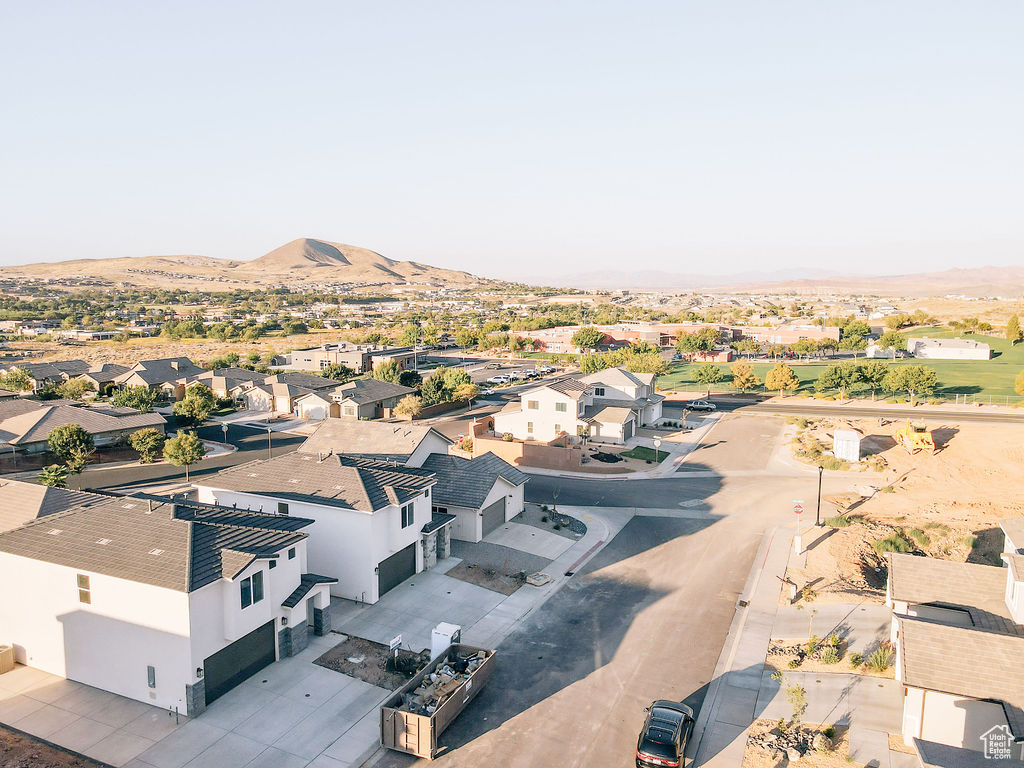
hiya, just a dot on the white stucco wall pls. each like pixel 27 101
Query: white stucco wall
pixel 107 643
pixel 312 409
pixel 468 523
pixel 544 417
pixel 432 443
pixel 946 719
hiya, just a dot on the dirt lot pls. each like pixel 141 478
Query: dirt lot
pixel 946 505
pixel 17 751
pixel 757 756
pixel 487 577
pixel 366 660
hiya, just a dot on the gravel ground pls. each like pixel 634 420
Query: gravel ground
pixel 370 669
pixel 532 515
pixel 498 558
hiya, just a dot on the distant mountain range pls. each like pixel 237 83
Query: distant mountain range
pixel 979 281
pixel 305 261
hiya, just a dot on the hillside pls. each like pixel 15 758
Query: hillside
pixel 301 262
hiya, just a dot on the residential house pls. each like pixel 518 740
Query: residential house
pixel 27 427
pixel 405 444
pixel 7 395
pixel 222 381
pixel 367 399
pixel 102 377
pixel 368 515
pixel 1013 535
pixel 482 493
pixel 618 387
pixel 361 358
pixel 958 629
pixel 547 411
pixel 948 349
pixel 168 376
pixel 168 602
pixel 55 372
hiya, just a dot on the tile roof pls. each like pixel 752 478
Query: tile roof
pixel 39 371
pixel 306 583
pixel 166 543
pixel 567 386
pixel 105 373
pixel 22 502
pixel 1013 528
pixel 35 426
pixel 348 482
pixel 18 406
pixel 619 376
pixel 466 482
pixel 963 661
pixel 437 520
pixel 162 370
pixel 605 414
pixel 977 589
pixel 307 381
pixel 7 393
pixel 364 391
pixel 376 439
pixel 71 367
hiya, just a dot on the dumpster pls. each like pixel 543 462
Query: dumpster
pixel 418 712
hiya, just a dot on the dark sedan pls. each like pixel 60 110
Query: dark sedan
pixel 663 738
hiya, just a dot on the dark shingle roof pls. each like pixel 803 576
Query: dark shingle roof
pixel 22 502
pixel 105 373
pixel 304 380
pixel 170 544
pixel 934 755
pixel 306 583
pixel 466 482
pixel 35 426
pixel 375 439
pixel 364 391
pixel 437 520
pixel 338 481
pixel 163 370
pixel 71 367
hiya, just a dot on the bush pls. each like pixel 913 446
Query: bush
pixel 830 656
pixel 880 658
pixel 888 489
pixel 970 541
pixel 856 659
pixel 838 521
pixel 829 732
pixel 920 537
pixel 794 663
pixel 544 518
pixel 832 463
pixel 507 437
pixel 893 543
pixel 813 644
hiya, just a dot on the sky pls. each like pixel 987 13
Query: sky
pixel 518 139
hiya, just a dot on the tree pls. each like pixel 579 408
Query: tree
pixel 410 379
pixel 1018 385
pixel 644 347
pixel 593 362
pixel 701 342
pixel 184 450
pixel 743 377
pixel 72 445
pixel 410 405
pixel 141 398
pixel 708 374
pixel 782 378
pixel 841 376
pixel 387 371
pixel 853 344
pixel 856 328
pixel 588 337
pixel 1013 332
pixel 338 372
pixel 872 375
pixel 149 443
pixel 466 338
pixel 912 379
pixel 16 380
pixel 74 389
pixel 55 476
pixel 804 347
pixel 897 321
pixel 440 386
pixel 645 362
pixel 197 404
pixel 466 392
pixel 892 340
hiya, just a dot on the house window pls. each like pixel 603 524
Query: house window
pixel 282 508
pixel 350 410
pixel 291 553
pixel 533 405
pixel 560 407
pixel 407 515
pixel 252 589
pixel 599 391
pixel 558 428
pixel 439 510
pixel 426 494
pixel 529 427
pixel 84 590
pixel 273 564
pixel 151 677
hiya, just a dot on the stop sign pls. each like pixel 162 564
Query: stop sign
pixel 798 509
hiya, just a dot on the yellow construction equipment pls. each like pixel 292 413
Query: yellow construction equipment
pixel 916 437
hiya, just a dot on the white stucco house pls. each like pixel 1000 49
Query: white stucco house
pixel 368 515
pixel 606 406
pixel 168 602
pixel 948 349
pixel 958 631
pixel 481 493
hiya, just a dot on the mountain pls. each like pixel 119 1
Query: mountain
pixel 301 262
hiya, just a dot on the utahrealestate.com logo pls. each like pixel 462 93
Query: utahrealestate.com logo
pixel 998 743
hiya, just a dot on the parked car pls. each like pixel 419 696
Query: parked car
pixel 493 366
pixel 486 392
pixel 662 741
pixel 701 405
pixel 545 369
pixel 676 357
pixel 501 378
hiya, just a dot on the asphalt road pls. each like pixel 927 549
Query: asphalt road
pixel 251 444
pixel 805 407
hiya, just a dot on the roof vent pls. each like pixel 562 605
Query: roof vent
pixel 54 531
pixel 293 480
pixel 252 474
pixel 156 551
pixel 128 506
pixel 103 541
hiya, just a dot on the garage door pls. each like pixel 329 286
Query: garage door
pixel 627 430
pixel 396 569
pixel 494 515
pixel 243 658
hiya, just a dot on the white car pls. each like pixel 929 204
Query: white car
pixel 499 379
pixel 701 405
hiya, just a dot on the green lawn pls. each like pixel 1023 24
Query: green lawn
pixel 644 453
pixel 983 378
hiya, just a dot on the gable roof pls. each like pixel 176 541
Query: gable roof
pixel 7 393
pixel 466 482
pixel 35 426
pixel 22 502
pixel 963 661
pixel 619 377
pixel 974 588
pixel 167 543
pixel 574 388
pixel 306 583
pixel 348 482
pixel 307 381
pixel 105 373
pixel 365 391
pixel 70 367
pixel 39 371
pixel 162 370
pixel 375 439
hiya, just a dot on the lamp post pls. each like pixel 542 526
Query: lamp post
pixel 270 448
pixel 817 514
pixel 224 430
pixel 657 449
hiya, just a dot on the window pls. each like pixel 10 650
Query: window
pixel 533 405
pixel 426 494
pixel 273 564
pixel 291 553
pixel 282 508
pixel 407 515
pixel 599 391
pixel 350 410
pixel 558 428
pixel 84 590
pixel 151 677
pixel 439 510
pixel 529 427
pixel 252 589
pixel 560 407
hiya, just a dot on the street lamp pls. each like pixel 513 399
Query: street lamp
pixel 224 429
pixel 270 448
pixel 817 514
pixel 657 447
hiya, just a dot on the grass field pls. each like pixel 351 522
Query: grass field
pixel 644 453
pixel 982 378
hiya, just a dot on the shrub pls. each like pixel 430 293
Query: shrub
pixel 893 543
pixel 813 644
pixel 856 659
pixel 544 518
pixel 970 541
pixel 920 537
pixel 838 521
pixel 833 640
pixel 830 656
pixel 832 463
pixel 794 663
pixel 829 732
pixel 880 658
pixel 558 526
pixel 507 437
pixel 888 489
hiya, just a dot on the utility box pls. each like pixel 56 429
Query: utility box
pixel 443 635
pixel 846 445
pixel 6 658
pixel 418 712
